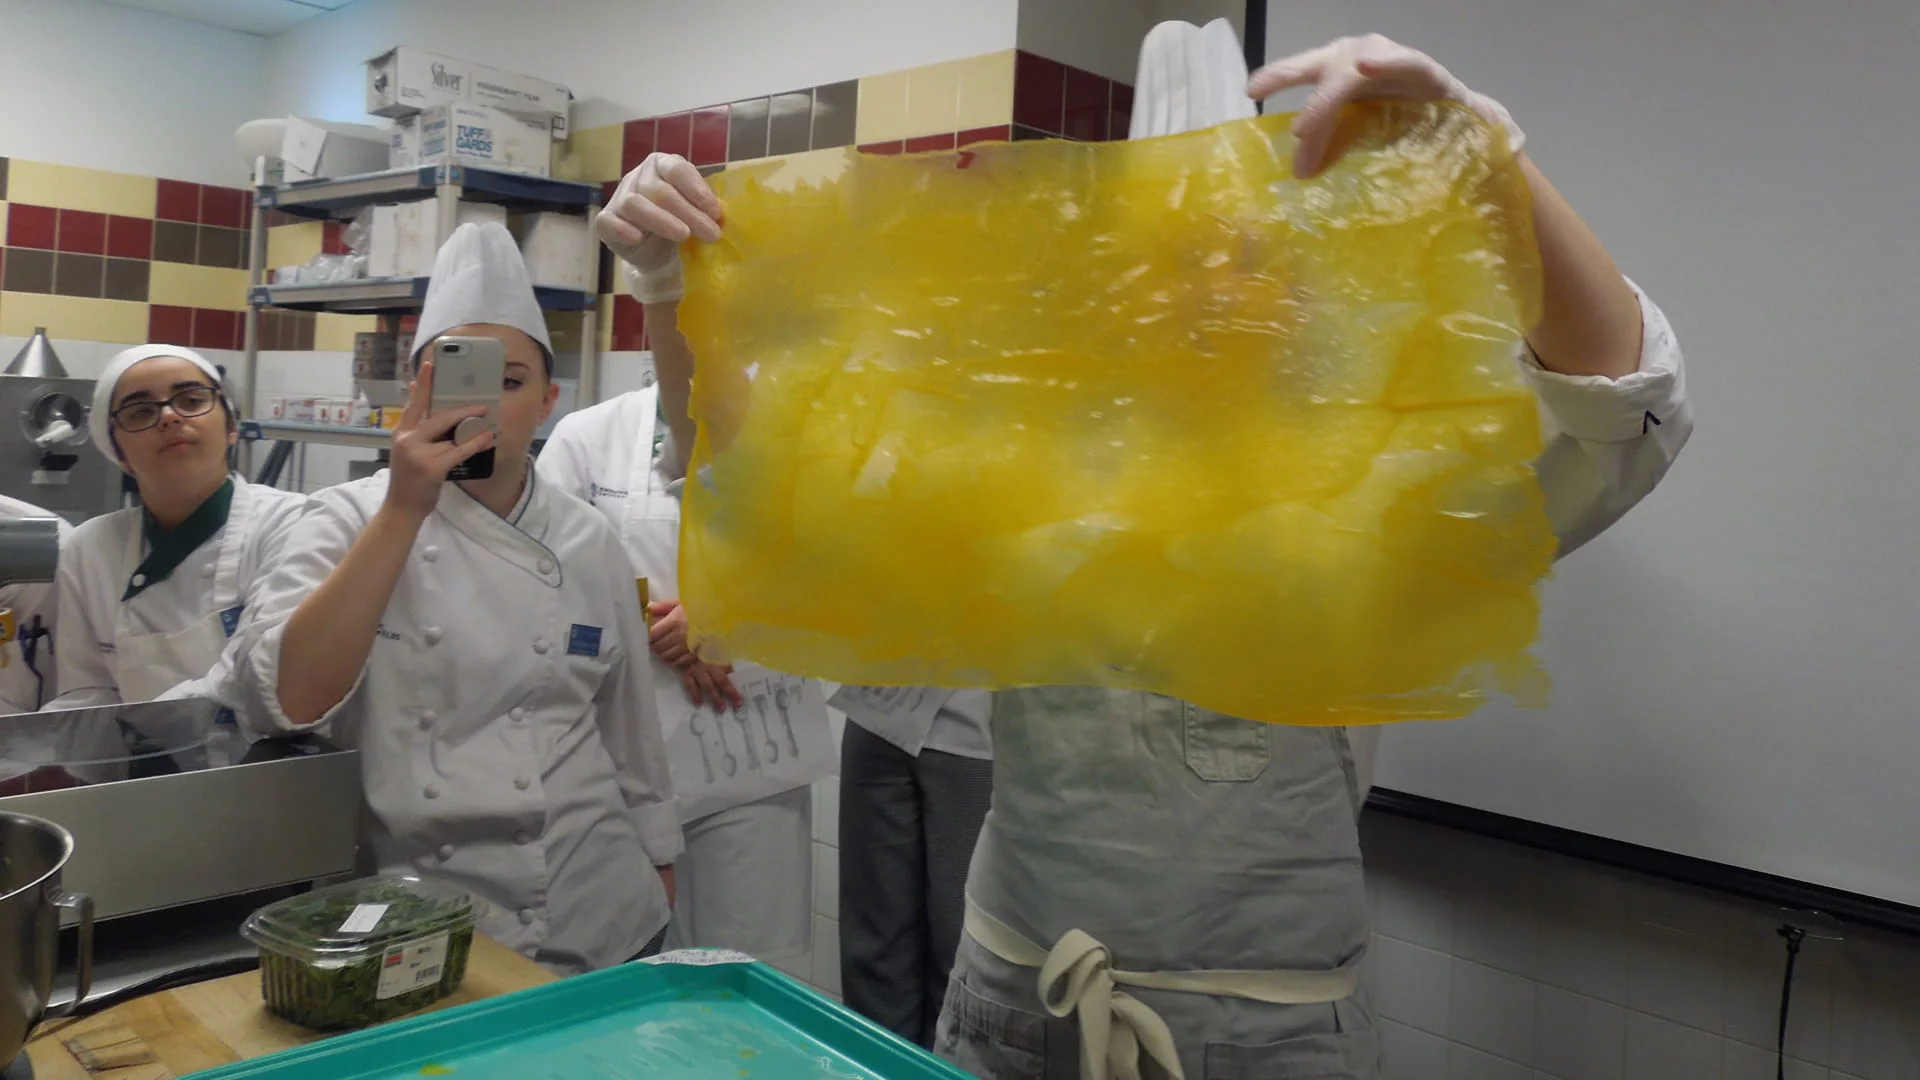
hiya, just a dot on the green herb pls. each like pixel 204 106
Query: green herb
pixel 330 996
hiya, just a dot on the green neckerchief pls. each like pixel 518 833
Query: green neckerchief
pixel 168 548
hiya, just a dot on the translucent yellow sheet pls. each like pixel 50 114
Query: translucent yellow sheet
pixel 1149 414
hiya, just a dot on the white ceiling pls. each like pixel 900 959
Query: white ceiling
pixel 262 17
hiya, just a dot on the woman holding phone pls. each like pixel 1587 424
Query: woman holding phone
pixel 482 644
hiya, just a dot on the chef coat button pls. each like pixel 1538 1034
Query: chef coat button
pixel 526 916
pixel 521 782
pixel 207 570
pixel 517 713
pixel 430 553
pixel 546 566
pixel 433 635
pixel 427 718
pixel 522 839
pixel 139 579
pixel 540 645
pixel 432 791
pixel 446 852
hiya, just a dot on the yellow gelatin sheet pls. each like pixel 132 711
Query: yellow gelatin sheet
pixel 1151 414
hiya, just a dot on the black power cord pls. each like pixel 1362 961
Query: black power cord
pixel 1794 936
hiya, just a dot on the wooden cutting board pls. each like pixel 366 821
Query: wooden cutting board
pixel 216 1022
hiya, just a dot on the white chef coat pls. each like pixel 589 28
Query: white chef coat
pixel 509 741
pixel 19 690
pixel 618 455
pixel 210 598
pixel 1608 443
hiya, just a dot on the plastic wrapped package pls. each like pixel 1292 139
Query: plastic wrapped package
pixel 1153 414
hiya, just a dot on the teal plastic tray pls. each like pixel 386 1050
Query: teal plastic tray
pixel 646 1021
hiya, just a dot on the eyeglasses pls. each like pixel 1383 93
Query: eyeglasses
pixel 141 415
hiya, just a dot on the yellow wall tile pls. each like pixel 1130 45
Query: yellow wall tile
pixel 293 245
pixel 72 188
pixel 590 154
pixel 986 90
pixel 74 317
pixel 882 114
pixel 3 224
pixel 563 331
pixel 197 286
pixel 334 333
pixel 933 99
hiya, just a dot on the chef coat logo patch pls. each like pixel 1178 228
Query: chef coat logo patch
pixel 583 641
pixel 230 618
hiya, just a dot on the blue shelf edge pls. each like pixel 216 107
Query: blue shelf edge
pixel 327 199
pixel 383 295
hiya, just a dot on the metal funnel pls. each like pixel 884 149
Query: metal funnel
pixel 37 359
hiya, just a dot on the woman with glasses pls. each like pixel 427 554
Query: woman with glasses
pixel 151 595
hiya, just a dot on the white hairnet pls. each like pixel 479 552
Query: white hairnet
pixel 100 426
pixel 480 277
pixel 1190 78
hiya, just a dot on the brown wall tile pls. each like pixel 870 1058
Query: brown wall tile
pixel 175 242
pixel 126 279
pixel 224 248
pixel 747 130
pixel 29 270
pixel 790 123
pixel 3 179
pixel 835 107
pixel 77 275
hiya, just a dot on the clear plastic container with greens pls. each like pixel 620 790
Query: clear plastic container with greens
pixel 362 952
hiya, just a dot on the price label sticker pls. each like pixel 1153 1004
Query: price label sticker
pixel 407 968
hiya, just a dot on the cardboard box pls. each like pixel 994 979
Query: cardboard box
pixel 322 149
pixel 374 356
pixel 478 134
pixel 402 81
pixel 405 238
pixel 559 250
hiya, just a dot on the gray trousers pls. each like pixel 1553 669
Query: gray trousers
pixel 907 829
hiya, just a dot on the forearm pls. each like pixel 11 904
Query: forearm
pixel 1590 323
pixel 329 636
pixel 673 373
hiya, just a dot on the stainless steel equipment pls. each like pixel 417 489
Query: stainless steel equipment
pixel 170 807
pixel 46 456
pixel 33 855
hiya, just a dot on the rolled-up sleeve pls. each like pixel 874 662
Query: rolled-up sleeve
pixel 1610 441
pixel 629 723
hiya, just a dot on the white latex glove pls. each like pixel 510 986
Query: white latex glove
pixel 1361 69
pixel 661 202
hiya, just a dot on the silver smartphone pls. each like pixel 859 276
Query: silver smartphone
pixel 469 371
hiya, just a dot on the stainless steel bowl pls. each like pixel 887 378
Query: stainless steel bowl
pixel 33 851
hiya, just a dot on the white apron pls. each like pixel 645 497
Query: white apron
pixel 780 739
pixel 148 665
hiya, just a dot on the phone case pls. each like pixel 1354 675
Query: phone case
pixel 469 371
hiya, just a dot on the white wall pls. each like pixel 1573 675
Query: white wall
pixel 1493 962
pixel 104 87
pixel 1103 36
pixel 628 58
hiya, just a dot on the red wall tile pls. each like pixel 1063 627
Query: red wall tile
pixel 31 226
pixel 893 147
pixel 1039 86
pixel 177 200
pixel 1086 104
pixel 83 231
pixel 710 136
pixel 333 238
pixel 629 323
pixel 130 237
pixel 924 143
pixel 607 188
pixel 1119 111
pixel 636 142
pixel 168 325
pixel 997 133
pixel 674 135
pixel 214 329
pixel 226 207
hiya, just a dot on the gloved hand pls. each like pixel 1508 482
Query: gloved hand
pixel 661 202
pixel 1361 69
